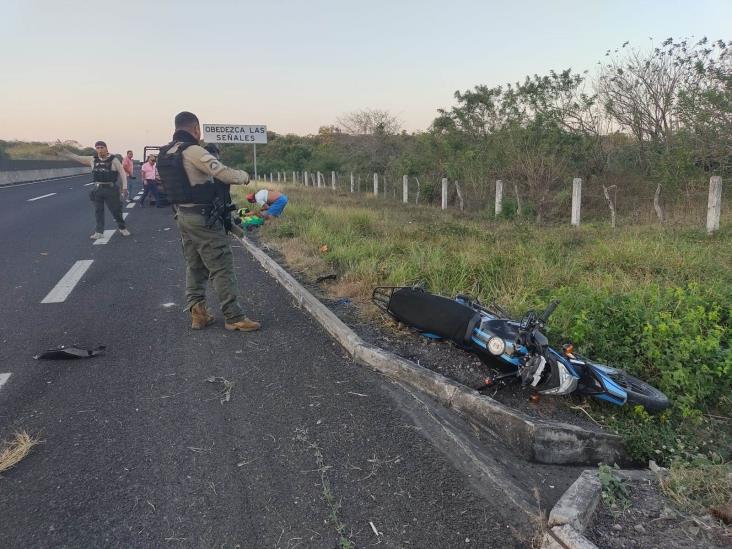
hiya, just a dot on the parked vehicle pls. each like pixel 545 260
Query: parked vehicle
pixel 516 348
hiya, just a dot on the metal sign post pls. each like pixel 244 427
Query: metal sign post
pixel 236 133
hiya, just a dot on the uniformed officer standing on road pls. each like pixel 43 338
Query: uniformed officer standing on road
pixel 107 171
pixel 186 169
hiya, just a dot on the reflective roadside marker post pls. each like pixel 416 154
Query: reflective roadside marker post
pixel 230 134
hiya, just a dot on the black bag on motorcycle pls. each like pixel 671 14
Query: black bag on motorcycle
pixel 434 314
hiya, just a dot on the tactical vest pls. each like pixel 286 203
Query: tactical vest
pixel 103 171
pixel 175 179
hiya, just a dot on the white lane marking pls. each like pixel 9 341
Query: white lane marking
pixel 67 283
pixel 131 205
pixel 39 197
pixel 3 379
pixel 107 235
pixel 87 184
pixel 124 215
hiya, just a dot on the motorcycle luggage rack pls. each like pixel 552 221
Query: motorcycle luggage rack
pixel 381 296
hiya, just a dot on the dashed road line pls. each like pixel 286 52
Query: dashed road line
pixel 66 285
pixel 131 205
pixel 124 215
pixel 42 196
pixel 90 183
pixel 107 235
pixel 3 379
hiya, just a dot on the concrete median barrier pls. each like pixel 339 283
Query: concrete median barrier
pixel 13 172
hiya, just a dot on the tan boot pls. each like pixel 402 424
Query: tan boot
pixel 200 317
pixel 243 325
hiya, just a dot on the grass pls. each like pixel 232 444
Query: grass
pixel 654 300
pixel 695 487
pixel 328 496
pixel 15 450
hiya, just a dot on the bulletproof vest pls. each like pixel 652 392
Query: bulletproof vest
pixel 103 172
pixel 175 179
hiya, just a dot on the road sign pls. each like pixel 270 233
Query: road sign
pixel 234 133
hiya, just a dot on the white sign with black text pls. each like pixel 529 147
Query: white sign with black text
pixel 234 133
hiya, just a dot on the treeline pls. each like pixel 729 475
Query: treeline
pixel 642 119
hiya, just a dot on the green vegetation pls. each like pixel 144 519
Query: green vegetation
pixel 37 150
pixel 652 300
pixel 614 493
pixel 646 121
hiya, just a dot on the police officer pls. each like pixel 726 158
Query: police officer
pixel 187 169
pixel 110 183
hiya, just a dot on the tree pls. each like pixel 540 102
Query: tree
pixel 369 122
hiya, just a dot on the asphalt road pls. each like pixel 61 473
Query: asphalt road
pixel 139 450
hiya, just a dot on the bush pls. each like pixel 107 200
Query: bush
pixel 675 338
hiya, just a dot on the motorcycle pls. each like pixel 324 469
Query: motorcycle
pixel 516 347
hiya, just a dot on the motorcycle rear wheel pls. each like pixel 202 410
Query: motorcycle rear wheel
pixel 640 392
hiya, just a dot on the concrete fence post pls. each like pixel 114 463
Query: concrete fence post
pixel 376 184
pixel 333 180
pixel 714 204
pixel 294 177
pixel 278 177
pixel 499 197
pixel 319 183
pixel 405 189
pixel 576 200
pixel 444 193
pixel 351 181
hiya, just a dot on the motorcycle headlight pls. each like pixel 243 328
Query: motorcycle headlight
pixel 496 346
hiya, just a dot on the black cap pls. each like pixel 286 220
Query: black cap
pixel 100 144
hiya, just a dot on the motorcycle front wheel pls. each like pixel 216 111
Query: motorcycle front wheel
pixel 640 392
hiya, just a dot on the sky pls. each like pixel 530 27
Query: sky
pixel 120 71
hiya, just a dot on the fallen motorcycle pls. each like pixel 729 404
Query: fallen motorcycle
pixel 518 348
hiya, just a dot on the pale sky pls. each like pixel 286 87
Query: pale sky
pixel 120 71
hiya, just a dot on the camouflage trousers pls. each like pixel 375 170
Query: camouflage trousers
pixel 208 256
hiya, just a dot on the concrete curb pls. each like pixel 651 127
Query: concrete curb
pixel 574 511
pixel 543 441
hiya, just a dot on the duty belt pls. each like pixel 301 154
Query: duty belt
pixel 202 209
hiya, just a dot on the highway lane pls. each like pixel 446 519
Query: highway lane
pixel 138 447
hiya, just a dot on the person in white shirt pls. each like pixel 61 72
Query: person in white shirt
pixel 272 202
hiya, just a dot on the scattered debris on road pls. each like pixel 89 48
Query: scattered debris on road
pixel 71 352
pixel 225 393
pixel 15 450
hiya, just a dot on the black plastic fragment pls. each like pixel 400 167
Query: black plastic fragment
pixel 69 353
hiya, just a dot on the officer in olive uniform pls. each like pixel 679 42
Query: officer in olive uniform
pixel 187 171
pixel 107 171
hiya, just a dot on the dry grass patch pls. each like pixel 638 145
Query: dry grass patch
pixel 15 450
pixel 699 486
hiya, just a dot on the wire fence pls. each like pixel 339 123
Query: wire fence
pixel 700 203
